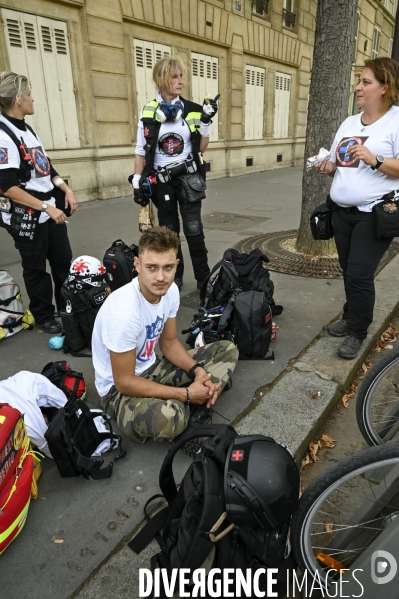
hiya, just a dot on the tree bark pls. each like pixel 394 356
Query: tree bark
pixel 328 105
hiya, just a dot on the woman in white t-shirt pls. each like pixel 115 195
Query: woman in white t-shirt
pixel 364 165
pixel 27 178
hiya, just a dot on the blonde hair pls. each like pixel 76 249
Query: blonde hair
pixel 164 69
pixel 11 86
pixel 386 71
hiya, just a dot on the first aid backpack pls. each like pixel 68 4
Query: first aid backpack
pixel 218 519
pixel 119 263
pixel 11 308
pixel 16 473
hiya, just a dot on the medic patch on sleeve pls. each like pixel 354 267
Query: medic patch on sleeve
pixel 3 155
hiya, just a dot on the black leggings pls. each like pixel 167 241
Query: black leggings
pixel 50 243
pixel 168 199
pixel 359 253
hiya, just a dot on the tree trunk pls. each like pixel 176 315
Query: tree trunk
pixel 328 105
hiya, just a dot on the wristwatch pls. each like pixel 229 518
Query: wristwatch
pixel 380 160
pixel 191 373
pixel 44 206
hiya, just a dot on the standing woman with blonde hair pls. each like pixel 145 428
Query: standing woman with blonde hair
pixel 364 165
pixel 171 136
pixel 27 178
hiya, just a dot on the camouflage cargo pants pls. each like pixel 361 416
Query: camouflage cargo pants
pixel 144 417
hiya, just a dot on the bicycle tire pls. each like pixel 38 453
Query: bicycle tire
pixel 376 428
pixel 320 490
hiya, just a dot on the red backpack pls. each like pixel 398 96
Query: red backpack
pixel 69 381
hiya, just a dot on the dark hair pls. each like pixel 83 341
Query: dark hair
pixel 386 71
pixel 158 239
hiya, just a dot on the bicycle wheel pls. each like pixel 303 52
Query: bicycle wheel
pixel 345 509
pixel 377 404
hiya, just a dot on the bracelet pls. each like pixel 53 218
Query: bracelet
pixel 58 181
pixel 188 396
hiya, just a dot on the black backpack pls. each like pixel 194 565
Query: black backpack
pixel 119 263
pixel 237 271
pixel 194 520
pixel 82 301
pixel 249 316
pixel 72 437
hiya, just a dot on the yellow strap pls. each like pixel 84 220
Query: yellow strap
pixel 2 419
pixel 25 453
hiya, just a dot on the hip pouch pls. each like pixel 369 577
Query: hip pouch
pixel 193 188
pixel 386 216
pixel 320 222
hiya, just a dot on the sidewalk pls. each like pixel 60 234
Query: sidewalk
pixel 93 518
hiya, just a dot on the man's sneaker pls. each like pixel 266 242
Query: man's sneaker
pixel 179 283
pixel 199 415
pixel 228 385
pixel 349 348
pixel 338 329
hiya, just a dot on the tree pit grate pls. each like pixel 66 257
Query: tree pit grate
pixel 295 263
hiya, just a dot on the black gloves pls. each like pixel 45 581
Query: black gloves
pixel 139 198
pixel 209 110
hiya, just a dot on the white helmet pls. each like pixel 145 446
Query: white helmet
pixel 87 269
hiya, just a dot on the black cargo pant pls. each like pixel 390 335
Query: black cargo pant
pixel 50 243
pixel 359 253
pixel 167 199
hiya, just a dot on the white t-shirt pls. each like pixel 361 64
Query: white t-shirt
pixel 9 158
pixel 127 321
pixel 354 182
pixel 174 140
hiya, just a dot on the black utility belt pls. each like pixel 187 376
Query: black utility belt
pixel 175 169
pixel 44 196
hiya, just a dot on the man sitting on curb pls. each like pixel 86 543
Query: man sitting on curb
pixel 146 396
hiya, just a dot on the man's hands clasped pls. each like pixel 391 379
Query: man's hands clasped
pixel 202 390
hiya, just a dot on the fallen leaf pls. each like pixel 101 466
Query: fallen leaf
pixel 314 448
pixel 329 441
pixel 329 527
pixel 306 462
pixel 313 394
pixel 345 400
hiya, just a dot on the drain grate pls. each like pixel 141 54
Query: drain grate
pixel 294 263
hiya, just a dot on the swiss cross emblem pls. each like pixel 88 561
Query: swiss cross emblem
pixel 30 211
pixel 146 131
pixel 237 455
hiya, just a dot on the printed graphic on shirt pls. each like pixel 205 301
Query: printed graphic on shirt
pixel 346 143
pixel 171 144
pixel 39 159
pixel 153 332
pixel 3 156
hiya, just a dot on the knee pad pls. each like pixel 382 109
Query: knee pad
pixel 192 228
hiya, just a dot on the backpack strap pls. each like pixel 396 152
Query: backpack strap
pixel 205 283
pixel 10 133
pixel 166 479
pixel 226 314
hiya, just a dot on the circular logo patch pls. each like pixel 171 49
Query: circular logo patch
pixel 40 161
pixel 171 144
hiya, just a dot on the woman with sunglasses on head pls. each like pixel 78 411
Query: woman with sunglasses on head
pixel 364 165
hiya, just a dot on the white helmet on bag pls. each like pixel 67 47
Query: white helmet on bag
pixel 87 269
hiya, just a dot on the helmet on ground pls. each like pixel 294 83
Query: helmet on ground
pixel 261 482
pixel 87 269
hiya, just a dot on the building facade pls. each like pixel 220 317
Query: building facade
pixel 90 65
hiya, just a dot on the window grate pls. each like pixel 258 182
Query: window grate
pixel 195 67
pixel 148 58
pixel 289 18
pixel 14 33
pixel 214 71
pixel 201 68
pixel 248 75
pixel 46 38
pixel 30 36
pixel 139 57
pixel 208 69
pixel 60 41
